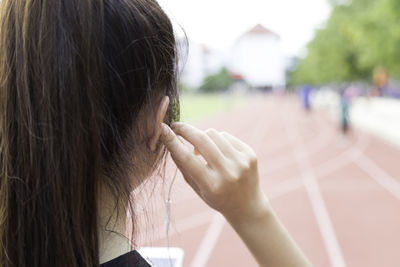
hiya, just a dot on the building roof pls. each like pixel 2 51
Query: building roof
pixel 260 30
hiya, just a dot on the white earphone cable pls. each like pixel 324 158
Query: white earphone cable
pixel 168 203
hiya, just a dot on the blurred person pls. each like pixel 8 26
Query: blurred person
pixel 380 79
pixel 305 93
pixel 87 90
pixel 344 112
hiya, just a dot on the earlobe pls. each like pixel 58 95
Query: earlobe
pixel 160 113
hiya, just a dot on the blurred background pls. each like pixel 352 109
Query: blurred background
pixel 314 87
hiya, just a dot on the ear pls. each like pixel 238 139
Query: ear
pixel 161 110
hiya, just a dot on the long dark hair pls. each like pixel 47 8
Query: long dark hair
pixel 75 75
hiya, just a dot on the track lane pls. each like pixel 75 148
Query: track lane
pixel 329 157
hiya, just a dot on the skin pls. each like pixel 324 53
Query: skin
pixel 115 243
pixel 228 181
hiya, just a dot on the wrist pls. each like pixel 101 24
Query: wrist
pixel 257 210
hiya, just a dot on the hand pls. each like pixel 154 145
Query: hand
pixel 228 181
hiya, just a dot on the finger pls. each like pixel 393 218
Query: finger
pixel 238 144
pixel 223 144
pixel 202 142
pixel 191 167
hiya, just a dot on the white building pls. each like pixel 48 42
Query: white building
pixel 191 67
pixel 257 57
pixel 197 62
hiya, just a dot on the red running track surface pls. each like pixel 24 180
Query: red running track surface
pixel 338 197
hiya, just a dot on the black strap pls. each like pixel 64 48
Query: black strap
pixel 131 259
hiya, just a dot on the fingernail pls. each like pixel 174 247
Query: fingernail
pixel 165 129
pixel 175 124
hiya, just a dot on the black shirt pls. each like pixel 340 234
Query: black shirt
pixel 131 259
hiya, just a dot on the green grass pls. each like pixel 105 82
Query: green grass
pixel 198 106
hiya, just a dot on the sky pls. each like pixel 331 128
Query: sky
pixel 218 23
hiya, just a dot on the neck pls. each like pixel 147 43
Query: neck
pixel 111 227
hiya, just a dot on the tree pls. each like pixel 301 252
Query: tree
pixel 358 36
pixel 217 82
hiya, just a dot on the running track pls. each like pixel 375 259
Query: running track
pixel 338 197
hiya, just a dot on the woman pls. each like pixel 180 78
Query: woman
pixel 87 89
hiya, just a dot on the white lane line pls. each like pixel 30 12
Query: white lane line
pixel 342 160
pixel 215 229
pixel 321 213
pixel 314 146
pixel 317 203
pixel 314 194
pixel 209 241
pixel 379 175
pixel 323 221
